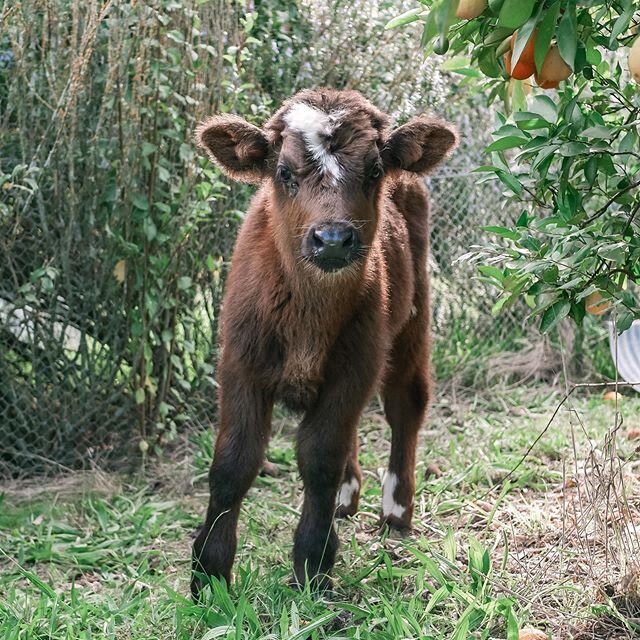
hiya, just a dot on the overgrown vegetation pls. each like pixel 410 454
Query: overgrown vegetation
pixel 114 236
pixel 568 158
pixel 114 245
pixel 496 549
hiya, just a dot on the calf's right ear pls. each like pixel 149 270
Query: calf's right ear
pixel 240 149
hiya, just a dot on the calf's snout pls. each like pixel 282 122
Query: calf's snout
pixel 332 246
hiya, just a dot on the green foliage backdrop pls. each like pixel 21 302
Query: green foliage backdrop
pixel 115 235
pixel 568 159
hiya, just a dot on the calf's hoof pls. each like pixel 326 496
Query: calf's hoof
pixel 345 512
pixel 270 469
pixel 348 498
pixel 397 527
pixel 209 558
pixel 198 583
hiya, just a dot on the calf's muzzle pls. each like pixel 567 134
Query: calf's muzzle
pixel 333 246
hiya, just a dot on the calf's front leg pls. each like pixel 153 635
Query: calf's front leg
pixel 325 439
pixel 245 422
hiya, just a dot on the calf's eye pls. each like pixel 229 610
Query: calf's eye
pixel 285 174
pixel 376 171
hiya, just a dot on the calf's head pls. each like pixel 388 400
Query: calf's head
pixel 326 154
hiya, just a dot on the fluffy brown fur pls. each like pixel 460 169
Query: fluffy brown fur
pixel 321 342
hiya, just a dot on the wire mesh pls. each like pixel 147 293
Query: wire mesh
pixel 115 239
pixel 67 355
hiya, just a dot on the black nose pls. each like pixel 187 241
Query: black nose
pixel 334 245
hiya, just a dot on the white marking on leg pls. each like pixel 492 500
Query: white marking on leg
pixel 389 506
pixel 347 491
pixel 316 128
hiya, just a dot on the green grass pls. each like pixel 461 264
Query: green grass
pixel 112 560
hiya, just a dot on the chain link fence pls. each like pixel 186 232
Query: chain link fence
pixel 115 236
pixel 68 360
pixel 467 334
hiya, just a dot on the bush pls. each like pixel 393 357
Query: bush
pixel 567 158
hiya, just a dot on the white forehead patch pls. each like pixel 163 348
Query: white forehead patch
pixel 316 127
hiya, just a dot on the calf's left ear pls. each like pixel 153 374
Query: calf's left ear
pixel 419 145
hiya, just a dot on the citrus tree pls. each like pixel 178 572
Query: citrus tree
pixel 565 148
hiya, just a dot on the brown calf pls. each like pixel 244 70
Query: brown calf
pixel 326 301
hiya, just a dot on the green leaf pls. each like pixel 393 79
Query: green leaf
pixel 491 272
pixel 515 13
pixel 139 396
pixel 510 181
pixel 449 546
pixel 523 36
pixel 570 149
pixel 438 596
pixel 591 170
pixel 518 96
pixel 430 30
pixel 148 148
pixel 594 57
pixel 488 63
pixel 500 303
pixel 629 142
pixel 306 630
pixel 404 18
pixel 567 35
pixel 461 631
pixel 150 229
pixel 546 31
pixel 544 107
pixel 554 314
pixel 42 586
pixel 509 142
pixel 599 131
pixel 523 220
pixel 503 232
pixel 614 252
pixel 513 631
pixel 624 321
pixel 622 23
pixel 528 121
pixel 139 201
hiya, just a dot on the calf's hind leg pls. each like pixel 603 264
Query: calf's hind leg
pixel 406 396
pixel 349 492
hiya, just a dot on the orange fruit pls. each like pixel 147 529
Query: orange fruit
pixel 612 396
pixel 470 9
pixel 526 65
pixel 554 70
pixel 528 53
pixel 595 304
pixel 521 71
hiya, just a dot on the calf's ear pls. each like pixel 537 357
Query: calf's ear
pixel 237 147
pixel 419 146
